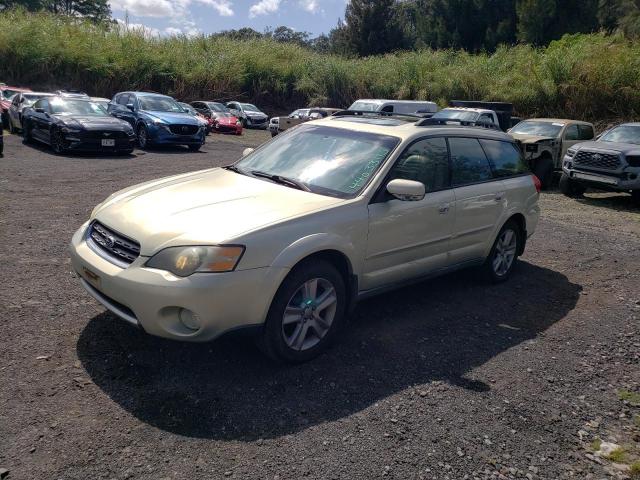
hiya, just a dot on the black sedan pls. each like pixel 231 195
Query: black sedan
pixel 76 124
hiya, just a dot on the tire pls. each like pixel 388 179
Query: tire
pixel 543 169
pixel 635 197
pixel 143 137
pixel 570 187
pixel 503 256
pixel 244 123
pixel 57 141
pixel 273 134
pixel 308 330
pixel 26 132
pixel 194 148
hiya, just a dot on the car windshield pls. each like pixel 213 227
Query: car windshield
pixel 623 134
pixel 30 98
pixel 465 116
pixel 189 108
pixel 7 93
pixel 77 107
pixel 250 107
pixel 159 104
pixel 542 129
pixel 217 107
pixel 364 106
pixel 329 161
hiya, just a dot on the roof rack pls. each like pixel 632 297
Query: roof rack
pixel 430 122
pixel 367 113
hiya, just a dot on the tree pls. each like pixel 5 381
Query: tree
pixel 371 27
pixel 95 10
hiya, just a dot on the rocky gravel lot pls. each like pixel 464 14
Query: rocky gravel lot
pixel 454 379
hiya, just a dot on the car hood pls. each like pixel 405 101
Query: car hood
pixel 202 208
pixel 527 138
pixel 626 148
pixel 227 120
pixel 90 122
pixel 251 113
pixel 173 117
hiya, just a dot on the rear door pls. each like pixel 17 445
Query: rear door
pixel 570 136
pixel 409 239
pixel 479 200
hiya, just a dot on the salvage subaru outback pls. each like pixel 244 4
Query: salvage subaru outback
pixel 286 240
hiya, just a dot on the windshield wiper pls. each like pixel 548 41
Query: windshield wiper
pixel 233 168
pixel 289 182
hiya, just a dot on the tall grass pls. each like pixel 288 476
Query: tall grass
pixel 583 76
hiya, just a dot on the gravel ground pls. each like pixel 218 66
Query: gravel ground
pixel 448 379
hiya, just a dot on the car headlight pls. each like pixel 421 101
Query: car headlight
pixel 571 152
pixel 238 122
pixel 71 130
pixel 185 261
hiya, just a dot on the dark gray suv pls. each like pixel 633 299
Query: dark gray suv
pixel 612 163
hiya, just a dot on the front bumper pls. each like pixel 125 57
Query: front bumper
pixel 228 128
pixel 88 142
pixel 161 136
pixel 258 122
pixel 151 299
pixel 624 179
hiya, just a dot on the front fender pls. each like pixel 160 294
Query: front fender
pixel 317 242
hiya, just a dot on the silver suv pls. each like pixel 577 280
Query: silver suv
pixel 612 163
pixel 290 237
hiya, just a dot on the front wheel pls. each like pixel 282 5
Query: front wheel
pixel 570 187
pixel 306 313
pixel 143 137
pixel 57 141
pixel 504 253
pixel 194 148
pixel 26 132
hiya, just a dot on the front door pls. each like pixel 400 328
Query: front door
pixel 409 239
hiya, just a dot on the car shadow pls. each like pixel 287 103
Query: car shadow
pixel 438 330
pixel 41 147
pixel 621 202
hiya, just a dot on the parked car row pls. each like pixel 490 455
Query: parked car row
pixel 62 119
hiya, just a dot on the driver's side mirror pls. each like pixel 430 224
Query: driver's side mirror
pixel 247 151
pixel 406 190
pixel 130 106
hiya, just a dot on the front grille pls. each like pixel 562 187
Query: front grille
pixel 607 161
pixel 115 246
pixel 184 129
pixel 102 135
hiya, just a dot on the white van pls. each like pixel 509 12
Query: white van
pixel 395 106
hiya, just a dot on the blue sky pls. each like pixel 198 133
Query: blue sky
pixel 166 17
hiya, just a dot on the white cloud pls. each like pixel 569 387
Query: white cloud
pixel 311 6
pixel 264 7
pixel 168 8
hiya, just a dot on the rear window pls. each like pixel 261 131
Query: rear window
pixel 469 164
pixel 505 158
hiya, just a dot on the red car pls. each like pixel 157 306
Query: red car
pixel 220 118
pixel 6 94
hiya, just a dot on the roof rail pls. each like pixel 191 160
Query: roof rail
pixel 431 122
pixel 367 113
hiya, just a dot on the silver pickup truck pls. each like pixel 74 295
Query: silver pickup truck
pixel 612 163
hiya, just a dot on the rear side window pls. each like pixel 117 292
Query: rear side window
pixel 426 161
pixel 586 132
pixel 123 99
pixel 469 164
pixel 505 158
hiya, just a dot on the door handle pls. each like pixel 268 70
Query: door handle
pixel 499 196
pixel 444 208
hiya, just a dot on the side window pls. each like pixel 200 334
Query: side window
pixel 586 132
pixel 387 109
pixel 485 118
pixel 505 157
pixel 425 161
pixel 571 133
pixel 42 103
pixel 123 99
pixel 469 164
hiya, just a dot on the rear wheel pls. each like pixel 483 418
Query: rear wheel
pixel 543 169
pixel 570 187
pixel 306 313
pixel 504 253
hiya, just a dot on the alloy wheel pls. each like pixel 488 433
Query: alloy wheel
pixel 505 252
pixel 309 314
pixel 142 137
pixel 57 141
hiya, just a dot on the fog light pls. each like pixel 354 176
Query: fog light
pixel 189 319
